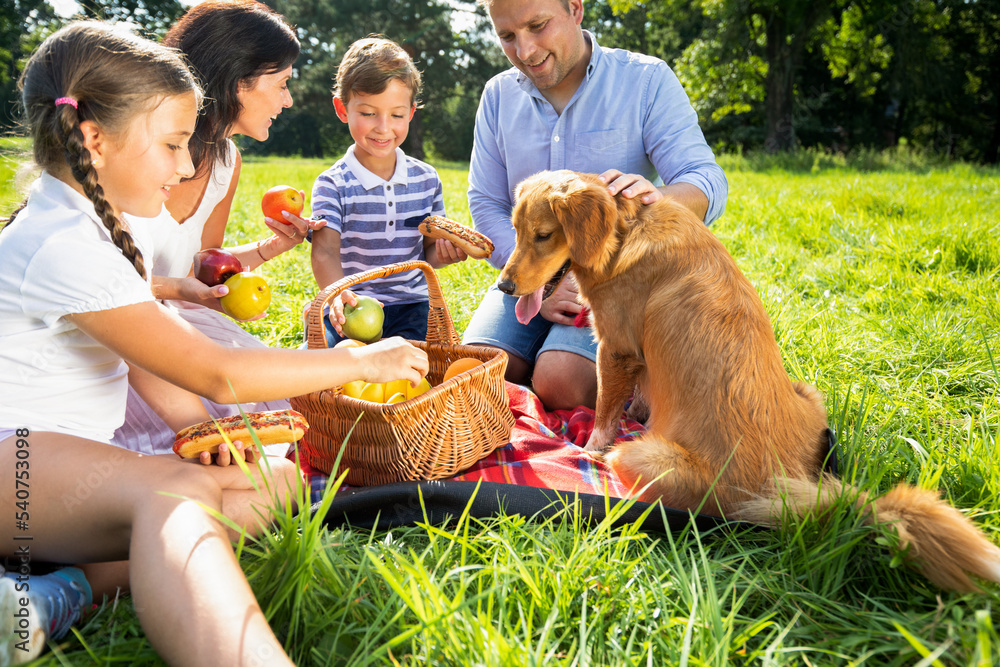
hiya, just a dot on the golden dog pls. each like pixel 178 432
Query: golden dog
pixel 676 321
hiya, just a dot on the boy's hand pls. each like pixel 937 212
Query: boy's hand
pixel 337 309
pixel 448 253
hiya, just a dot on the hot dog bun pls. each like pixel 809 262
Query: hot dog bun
pixel 272 427
pixel 474 244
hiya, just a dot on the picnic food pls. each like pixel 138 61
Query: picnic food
pixel 460 366
pixel 248 296
pixel 374 392
pixel 413 392
pixel 272 427
pixel 353 388
pixel 282 198
pixel 475 245
pixel 214 266
pixel 363 322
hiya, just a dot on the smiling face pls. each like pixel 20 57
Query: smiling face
pixel 378 123
pixel 543 39
pixel 137 170
pixel 262 100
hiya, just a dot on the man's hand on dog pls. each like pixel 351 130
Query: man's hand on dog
pixel 631 186
pixel 562 307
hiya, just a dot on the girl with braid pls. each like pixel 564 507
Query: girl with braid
pixel 111 116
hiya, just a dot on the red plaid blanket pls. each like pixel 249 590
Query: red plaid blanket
pixel 545 450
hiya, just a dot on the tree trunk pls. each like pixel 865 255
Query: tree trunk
pixel 779 86
pixel 415 139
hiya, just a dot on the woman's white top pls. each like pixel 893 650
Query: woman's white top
pixel 57 259
pixel 176 243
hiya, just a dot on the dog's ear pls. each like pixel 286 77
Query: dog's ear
pixel 588 215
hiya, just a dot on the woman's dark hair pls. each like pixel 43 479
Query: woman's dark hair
pixel 229 43
pixel 91 71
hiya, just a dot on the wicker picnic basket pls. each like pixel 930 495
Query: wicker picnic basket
pixel 432 436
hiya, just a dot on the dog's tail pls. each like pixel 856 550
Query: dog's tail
pixel 938 541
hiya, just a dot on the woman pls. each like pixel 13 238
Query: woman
pixel 242 51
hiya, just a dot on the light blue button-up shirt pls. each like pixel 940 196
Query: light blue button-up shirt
pixel 630 113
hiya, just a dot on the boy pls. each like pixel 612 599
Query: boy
pixel 373 198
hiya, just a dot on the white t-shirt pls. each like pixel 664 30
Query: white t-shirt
pixel 58 259
pixel 176 243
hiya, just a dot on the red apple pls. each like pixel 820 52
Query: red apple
pixel 282 198
pixel 214 266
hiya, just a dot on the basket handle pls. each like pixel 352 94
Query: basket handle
pixel 440 327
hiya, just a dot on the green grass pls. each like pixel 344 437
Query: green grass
pixel 880 274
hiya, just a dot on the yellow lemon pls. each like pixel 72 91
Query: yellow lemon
pixel 348 342
pixel 374 392
pixel 460 366
pixel 413 392
pixel 398 397
pixel 353 389
pixel 396 387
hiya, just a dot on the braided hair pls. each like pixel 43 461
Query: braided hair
pixel 104 74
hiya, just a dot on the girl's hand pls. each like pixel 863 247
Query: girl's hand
pixel 193 290
pixel 631 185
pixel 393 359
pixel 224 457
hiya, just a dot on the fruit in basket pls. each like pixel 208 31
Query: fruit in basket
pixel 282 198
pixel 398 397
pixel 248 296
pixel 396 387
pixel 374 392
pixel 353 388
pixel 363 322
pixel 413 392
pixel 460 366
pixel 214 266
pixel 347 342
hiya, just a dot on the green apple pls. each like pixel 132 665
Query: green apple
pixel 248 296
pixel 363 322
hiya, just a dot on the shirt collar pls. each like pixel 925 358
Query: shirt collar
pixel 369 180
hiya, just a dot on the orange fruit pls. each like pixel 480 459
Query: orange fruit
pixel 349 342
pixel 413 392
pixel 353 389
pixel 460 366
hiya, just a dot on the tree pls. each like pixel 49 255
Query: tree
pixel 154 16
pixel 454 68
pixel 23 25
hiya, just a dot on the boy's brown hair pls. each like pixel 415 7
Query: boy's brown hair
pixel 370 64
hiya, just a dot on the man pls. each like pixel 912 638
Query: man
pixel 570 104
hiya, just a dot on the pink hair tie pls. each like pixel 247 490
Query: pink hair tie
pixel 67 100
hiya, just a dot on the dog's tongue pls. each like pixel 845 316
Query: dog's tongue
pixel 528 306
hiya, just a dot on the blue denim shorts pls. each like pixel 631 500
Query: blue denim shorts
pixel 494 323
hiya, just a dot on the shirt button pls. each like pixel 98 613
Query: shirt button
pixel 388 188
pixel 391 223
pixel 556 138
pixel 390 203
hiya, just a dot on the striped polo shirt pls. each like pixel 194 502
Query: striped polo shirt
pixel 378 219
